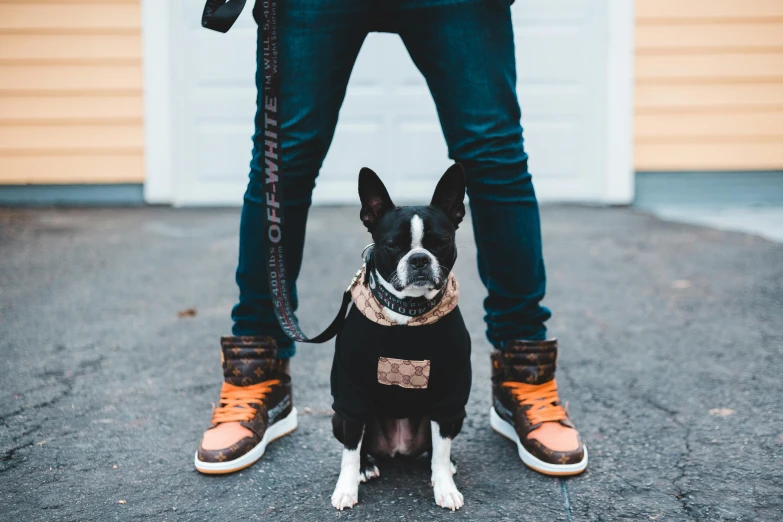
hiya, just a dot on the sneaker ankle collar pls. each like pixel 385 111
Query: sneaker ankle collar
pixel 531 362
pixel 249 360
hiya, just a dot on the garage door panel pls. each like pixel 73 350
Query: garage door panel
pixel 219 153
pixel 536 11
pixel 388 120
pixel 547 54
pixel 551 100
pixel 360 143
pixel 384 62
pixel 222 103
pixel 217 60
pixel 420 149
pixel 548 143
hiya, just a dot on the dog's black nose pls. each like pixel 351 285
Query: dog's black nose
pixel 419 260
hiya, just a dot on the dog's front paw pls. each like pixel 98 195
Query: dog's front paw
pixel 346 494
pixel 446 493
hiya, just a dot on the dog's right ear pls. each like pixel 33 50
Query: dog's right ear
pixel 374 196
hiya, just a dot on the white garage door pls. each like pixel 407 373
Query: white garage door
pixel 563 63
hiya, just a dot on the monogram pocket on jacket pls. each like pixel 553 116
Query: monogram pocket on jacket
pixel 403 372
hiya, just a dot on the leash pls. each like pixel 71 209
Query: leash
pixel 220 15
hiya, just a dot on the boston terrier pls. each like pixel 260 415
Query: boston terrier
pixel 401 373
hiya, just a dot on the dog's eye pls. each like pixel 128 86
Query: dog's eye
pixel 442 241
pixel 390 244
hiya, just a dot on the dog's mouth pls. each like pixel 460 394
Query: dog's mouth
pixel 419 282
pixel 424 279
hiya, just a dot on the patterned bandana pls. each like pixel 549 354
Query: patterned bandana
pixel 372 309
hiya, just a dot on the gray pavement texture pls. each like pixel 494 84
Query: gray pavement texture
pixel 671 342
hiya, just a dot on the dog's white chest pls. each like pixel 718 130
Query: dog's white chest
pixel 392 437
pixel 401 438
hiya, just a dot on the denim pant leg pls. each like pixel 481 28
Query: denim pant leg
pixel 466 54
pixel 320 40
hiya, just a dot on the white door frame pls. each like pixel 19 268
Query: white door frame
pixel 158 28
pixel 620 186
pixel 156 34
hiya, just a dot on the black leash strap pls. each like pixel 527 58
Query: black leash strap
pixel 220 15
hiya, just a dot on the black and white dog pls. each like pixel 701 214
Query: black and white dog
pixel 401 373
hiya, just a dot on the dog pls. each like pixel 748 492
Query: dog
pixel 401 373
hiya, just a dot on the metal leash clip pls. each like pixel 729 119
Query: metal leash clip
pixel 364 252
pixel 364 265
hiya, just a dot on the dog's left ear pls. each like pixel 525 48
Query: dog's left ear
pixel 450 193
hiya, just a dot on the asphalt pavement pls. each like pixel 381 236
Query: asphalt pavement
pixel 671 342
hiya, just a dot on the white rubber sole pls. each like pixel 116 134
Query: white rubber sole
pixel 531 461
pixel 279 429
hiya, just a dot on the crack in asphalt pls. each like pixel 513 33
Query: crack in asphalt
pixel 680 493
pixel 682 496
pixel 563 484
pixel 566 500
pixel 67 381
pixel 682 463
pixel 8 455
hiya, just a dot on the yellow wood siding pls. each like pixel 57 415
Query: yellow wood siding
pixel 71 92
pixel 709 85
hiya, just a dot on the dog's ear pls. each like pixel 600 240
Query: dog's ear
pixel 450 192
pixel 374 196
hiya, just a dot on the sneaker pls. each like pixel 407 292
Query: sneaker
pixel 526 408
pixel 255 406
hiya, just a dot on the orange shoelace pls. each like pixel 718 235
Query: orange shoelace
pixel 235 401
pixel 541 398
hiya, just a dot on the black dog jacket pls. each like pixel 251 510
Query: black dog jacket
pixel 402 371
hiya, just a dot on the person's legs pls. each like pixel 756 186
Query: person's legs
pixel 466 53
pixel 320 40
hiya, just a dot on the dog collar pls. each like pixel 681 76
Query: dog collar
pixel 409 306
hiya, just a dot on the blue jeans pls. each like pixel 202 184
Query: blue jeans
pixel 465 51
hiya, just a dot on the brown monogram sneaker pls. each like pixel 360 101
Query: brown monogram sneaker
pixel 527 410
pixel 255 406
